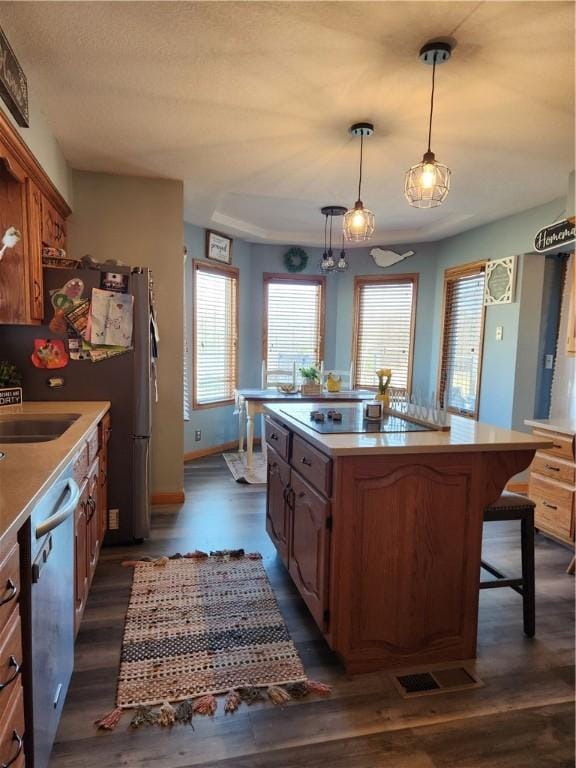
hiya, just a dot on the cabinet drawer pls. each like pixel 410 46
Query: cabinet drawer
pixel 563 445
pixel 554 506
pixel 92 442
pixel 104 430
pixel 312 464
pixel 10 659
pixel 12 728
pixel 279 438
pixel 9 582
pixel 558 469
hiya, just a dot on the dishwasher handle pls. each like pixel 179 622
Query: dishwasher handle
pixel 63 513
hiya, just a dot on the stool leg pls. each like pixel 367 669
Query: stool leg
pixel 529 600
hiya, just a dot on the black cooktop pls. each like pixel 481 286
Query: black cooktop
pixel 352 421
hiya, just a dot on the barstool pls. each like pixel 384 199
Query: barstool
pixel 512 506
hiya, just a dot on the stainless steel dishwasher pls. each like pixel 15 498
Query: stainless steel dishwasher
pixel 52 610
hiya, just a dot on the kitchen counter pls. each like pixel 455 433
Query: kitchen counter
pixel 465 435
pixel 28 469
pixel 565 426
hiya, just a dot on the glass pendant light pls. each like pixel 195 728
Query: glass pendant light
pixel 427 183
pixel 328 263
pixel 342 264
pixel 359 221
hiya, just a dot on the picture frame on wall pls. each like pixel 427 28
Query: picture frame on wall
pixel 500 281
pixel 218 247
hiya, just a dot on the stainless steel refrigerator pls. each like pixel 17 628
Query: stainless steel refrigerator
pixel 125 380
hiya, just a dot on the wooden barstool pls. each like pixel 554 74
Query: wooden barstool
pixel 512 506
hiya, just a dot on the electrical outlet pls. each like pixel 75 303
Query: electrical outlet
pixel 499 333
pixel 113 519
pixel 198 435
pixel 549 362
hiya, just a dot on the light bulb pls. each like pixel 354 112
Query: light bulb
pixel 358 221
pixel 428 176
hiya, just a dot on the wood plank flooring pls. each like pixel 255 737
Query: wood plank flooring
pixel 522 718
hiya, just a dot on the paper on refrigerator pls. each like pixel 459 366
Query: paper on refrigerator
pixel 111 318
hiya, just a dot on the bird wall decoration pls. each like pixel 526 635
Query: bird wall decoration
pixel 385 258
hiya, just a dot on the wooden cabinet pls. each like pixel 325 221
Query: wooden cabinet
pixel 92 520
pixel 278 504
pixel 11 692
pixel 80 556
pixel 552 484
pixel 30 203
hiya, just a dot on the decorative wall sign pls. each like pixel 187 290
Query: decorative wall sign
pixel 555 236
pixel 13 83
pixel 10 396
pixel 295 259
pixel 218 247
pixel 499 282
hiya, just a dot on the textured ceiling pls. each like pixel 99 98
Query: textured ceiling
pixel 249 104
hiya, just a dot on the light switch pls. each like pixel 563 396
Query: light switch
pixel 499 333
pixel 548 362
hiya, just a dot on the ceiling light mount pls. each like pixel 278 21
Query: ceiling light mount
pixel 435 52
pixel 333 210
pixel 328 263
pixel 362 129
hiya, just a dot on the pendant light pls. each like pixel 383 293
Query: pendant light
pixel 328 264
pixel 427 184
pixel 359 221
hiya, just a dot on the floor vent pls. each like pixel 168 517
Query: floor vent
pixel 439 679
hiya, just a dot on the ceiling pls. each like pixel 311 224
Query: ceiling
pixel 250 103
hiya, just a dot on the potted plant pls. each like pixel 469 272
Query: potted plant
pixel 10 382
pixel 310 380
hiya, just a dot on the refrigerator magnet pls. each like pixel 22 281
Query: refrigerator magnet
pixel 49 353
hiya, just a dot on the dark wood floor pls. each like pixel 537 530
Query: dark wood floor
pixel 522 718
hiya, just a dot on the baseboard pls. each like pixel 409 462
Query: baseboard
pixel 517 488
pixel 174 497
pixel 213 449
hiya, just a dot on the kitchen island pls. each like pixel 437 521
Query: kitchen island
pixel 382 531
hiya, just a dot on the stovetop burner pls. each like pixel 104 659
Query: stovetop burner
pixel 350 421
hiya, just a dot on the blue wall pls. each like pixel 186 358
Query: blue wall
pixel 510 367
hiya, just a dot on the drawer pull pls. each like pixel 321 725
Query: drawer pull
pixel 305 461
pixel 18 739
pixel 273 436
pixel 554 469
pixel 12 663
pixel 557 445
pixel 550 506
pixel 13 592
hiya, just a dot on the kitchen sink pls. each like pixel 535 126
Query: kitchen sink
pixel 35 428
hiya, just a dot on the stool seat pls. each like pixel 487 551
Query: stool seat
pixel 513 506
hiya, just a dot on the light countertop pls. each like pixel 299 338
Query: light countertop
pixel 27 469
pixel 464 435
pixel 273 395
pixel 565 426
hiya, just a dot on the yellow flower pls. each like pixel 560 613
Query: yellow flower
pixel 384 372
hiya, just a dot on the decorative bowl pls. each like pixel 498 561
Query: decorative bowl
pixel 287 389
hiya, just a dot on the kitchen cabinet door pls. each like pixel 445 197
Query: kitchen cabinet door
pixel 34 207
pixel 93 519
pixel 309 547
pixel 14 287
pixel 277 509
pixel 53 226
pixel 80 556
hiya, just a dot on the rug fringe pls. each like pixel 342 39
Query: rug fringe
pixel 319 688
pixel 232 702
pixel 205 705
pixel 110 721
pixel 143 716
pixel 278 695
pixel 166 715
pixel 185 712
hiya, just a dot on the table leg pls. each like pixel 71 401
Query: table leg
pixel 241 417
pixel 249 437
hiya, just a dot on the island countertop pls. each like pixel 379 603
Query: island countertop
pixel 464 435
pixel 28 469
pixel 564 425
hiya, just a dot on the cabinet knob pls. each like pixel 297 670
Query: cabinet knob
pixel 550 506
pixel 554 469
pixel 12 589
pixel 305 461
pixel 19 741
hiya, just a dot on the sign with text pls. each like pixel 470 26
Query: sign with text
pixel 13 83
pixel 555 236
pixel 10 396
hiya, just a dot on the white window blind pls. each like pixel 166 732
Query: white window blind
pixel 215 333
pixel 294 322
pixel 185 368
pixel 462 340
pixel 384 330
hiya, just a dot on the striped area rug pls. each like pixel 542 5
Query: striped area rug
pixel 256 475
pixel 199 626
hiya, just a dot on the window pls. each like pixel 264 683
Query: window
pixel 215 333
pixel 462 334
pixel 293 321
pixel 384 311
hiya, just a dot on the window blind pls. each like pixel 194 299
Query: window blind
pixel 215 333
pixel 462 341
pixel 293 322
pixel 384 330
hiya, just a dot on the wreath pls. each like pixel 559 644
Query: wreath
pixel 295 259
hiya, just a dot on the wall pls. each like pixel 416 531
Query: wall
pixel 44 146
pixel 139 221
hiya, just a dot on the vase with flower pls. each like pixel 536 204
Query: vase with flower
pixel 384 376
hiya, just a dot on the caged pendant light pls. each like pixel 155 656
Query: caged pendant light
pixel 427 184
pixel 328 264
pixel 359 221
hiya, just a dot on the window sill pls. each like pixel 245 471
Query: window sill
pixel 215 404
